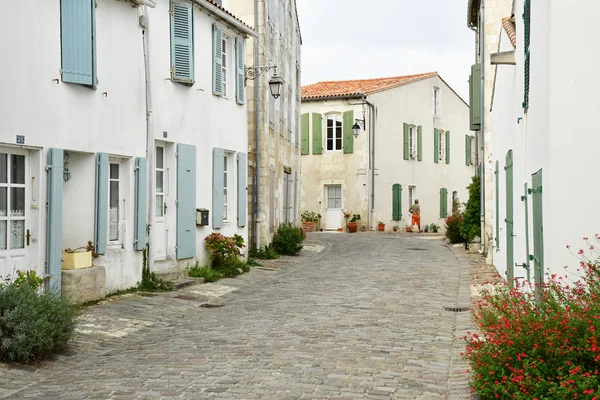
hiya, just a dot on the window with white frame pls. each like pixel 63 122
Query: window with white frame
pixel 412 195
pixel 437 102
pixel 224 49
pixel 412 141
pixel 334 132
pixel 442 145
pixel 455 203
pixel 115 193
pixel 225 186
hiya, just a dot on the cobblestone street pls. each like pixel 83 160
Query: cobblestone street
pixel 354 316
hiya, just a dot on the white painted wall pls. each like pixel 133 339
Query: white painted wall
pixel 50 113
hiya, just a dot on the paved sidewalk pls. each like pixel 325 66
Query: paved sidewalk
pixel 356 316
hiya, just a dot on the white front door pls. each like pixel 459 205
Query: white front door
pixel 160 227
pixel 16 252
pixel 333 217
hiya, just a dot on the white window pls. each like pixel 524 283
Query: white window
pixel 412 195
pixel 455 203
pixel 114 204
pixel 224 64
pixel 437 102
pixel 12 201
pixel 225 186
pixel 412 141
pixel 442 145
pixel 334 132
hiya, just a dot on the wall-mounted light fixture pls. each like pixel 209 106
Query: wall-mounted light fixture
pixel 275 83
pixel 359 123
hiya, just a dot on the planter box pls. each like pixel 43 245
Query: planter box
pixel 77 260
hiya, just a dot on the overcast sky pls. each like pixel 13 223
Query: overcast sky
pixel 359 39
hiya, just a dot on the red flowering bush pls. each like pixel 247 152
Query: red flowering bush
pixel 223 249
pixel 540 343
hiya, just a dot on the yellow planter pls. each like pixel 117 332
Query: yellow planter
pixel 76 260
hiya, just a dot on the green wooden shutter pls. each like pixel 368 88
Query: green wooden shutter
pixel 218 199
pixel 420 143
pixel 527 40
pixel 509 221
pixel 54 220
pixel 405 141
pixel 101 214
pixel 443 203
pixel 538 228
pixel 467 150
pixel 497 175
pixel 436 146
pixel 304 129
pixel 447 135
pixel 78 47
pixel 348 136
pixel 182 42
pixel 242 194
pixel 317 133
pixel 397 202
pixel 217 60
pixel 476 97
pixel 140 207
pixel 186 201
pixel 239 70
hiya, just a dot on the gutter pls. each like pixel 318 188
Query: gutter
pixel 240 26
pixel 482 126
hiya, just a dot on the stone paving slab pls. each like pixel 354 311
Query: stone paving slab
pixel 362 318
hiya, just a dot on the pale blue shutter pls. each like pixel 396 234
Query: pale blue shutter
pixel 77 41
pixel 239 74
pixel 182 42
pixel 140 204
pixel 218 184
pixel 54 219
pixel 186 201
pixel 101 214
pixel 242 196
pixel 217 60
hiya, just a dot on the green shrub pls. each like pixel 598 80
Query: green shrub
pixel 231 267
pixel 268 253
pixel 471 225
pixel 288 239
pixel 539 342
pixel 253 263
pixel 453 228
pixel 205 272
pixel 33 325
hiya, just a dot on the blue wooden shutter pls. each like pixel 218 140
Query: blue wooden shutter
pixel 101 214
pixel 239 75
pixel 186 201
pixel 218 184
pixel 54 219
pixel 396 202
pixel 447 135
pixel 140 204
pixel 242 196
pixel 77 41
pixel 217 60
pixel 348 135
pixel 182 42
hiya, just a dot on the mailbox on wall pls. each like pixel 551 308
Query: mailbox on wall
pixel 201 216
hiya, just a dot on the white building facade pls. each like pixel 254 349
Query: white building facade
pixel 131 118
pixel 414 144
pixel 545 157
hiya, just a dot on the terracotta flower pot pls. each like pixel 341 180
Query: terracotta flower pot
pixel 308 226
pixel 352 226
pixel 381 227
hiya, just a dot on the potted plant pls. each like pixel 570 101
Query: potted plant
pixel 426 228
pixel 409 228
pixel 352 225
pixel 309 219
pixel 395 228
pixel 381 226
pixel 434 228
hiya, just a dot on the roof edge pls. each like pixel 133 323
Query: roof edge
pixel 333 97
pixel 226 16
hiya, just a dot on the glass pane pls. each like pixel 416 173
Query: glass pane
pixel 159 181
pixel 114 171
pixel 17 202
pixel 17 169
pixel 338 143
pixel 338 131
pixel 338 203
pixel 159 157
pixel 3 201
pixel 2 235
pixel 3 167
pixel 113 226
pixel 114 194
pixel 225 163
pixel 329 144
pixel 225 211
pixel 329 122
pixel 159 205
pixel 17 234
pixel 329 133
pixel 338 192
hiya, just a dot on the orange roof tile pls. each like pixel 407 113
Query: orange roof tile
pixel 220 7
pixel 511 30
pixel 357 88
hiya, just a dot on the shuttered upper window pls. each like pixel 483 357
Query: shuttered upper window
pixel 334 132
pixel 182 42
pixel 78 47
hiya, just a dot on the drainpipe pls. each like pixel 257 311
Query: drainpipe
pixel 482 126
pixel 255 192
pixel 149 138
pixel 372 118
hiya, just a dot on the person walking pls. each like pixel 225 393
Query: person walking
pixel 415 210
